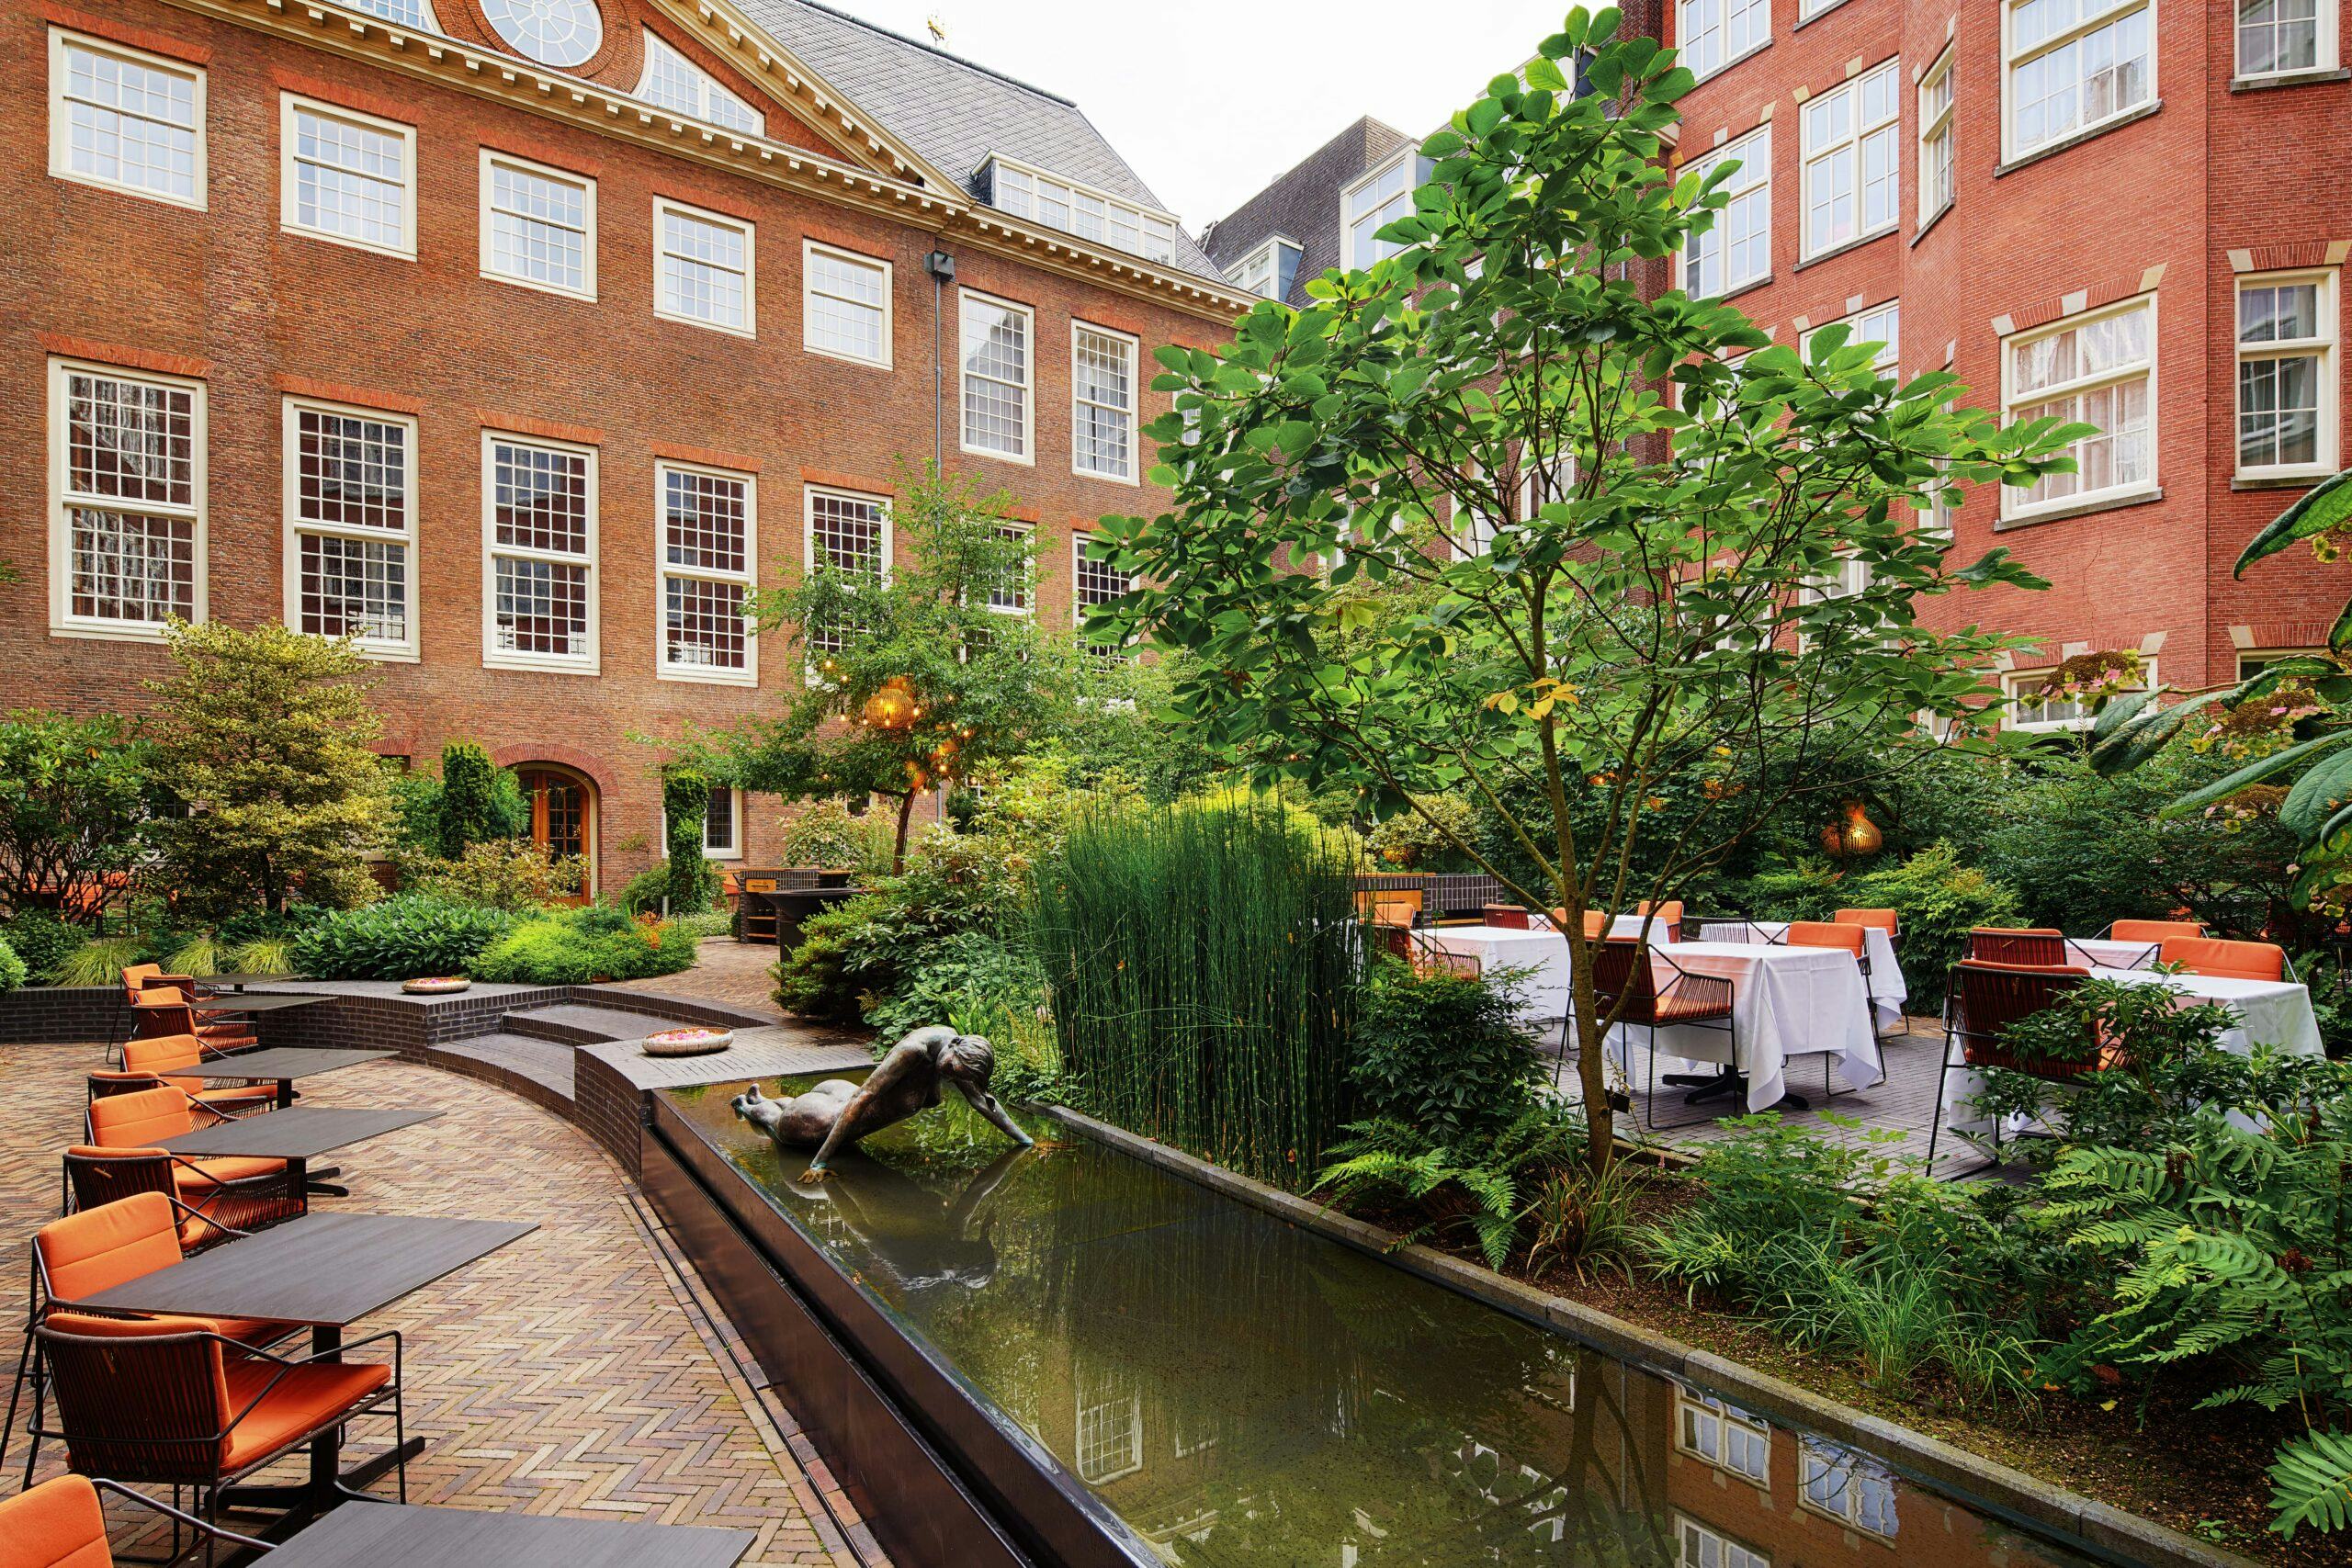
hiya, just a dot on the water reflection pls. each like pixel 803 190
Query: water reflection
pixel 1245 1393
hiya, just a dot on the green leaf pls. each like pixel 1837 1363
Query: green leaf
pixel 2134 743
pixel 2311 1483
pixel 2317 510
pixel 2253 772
pixel 2317 795
pixel 1542 73
pixel 2339 637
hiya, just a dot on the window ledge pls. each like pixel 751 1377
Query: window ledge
pixel 2290 79
pixel 2081 509
pixel 1732 62
pixel 2277 481
pixel 1803 22
pixel 1750 286
pixel 2088 133
pixel 1936 217
pixel 1855 244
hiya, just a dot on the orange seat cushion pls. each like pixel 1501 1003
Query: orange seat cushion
pixel 100 1248
pixel 1678 1004
pixel 56 1525
pixel 1826 934
pixel 238 1096
pixel 204 1175
pixel 140 1120
pixel 304 1399
pixel 2225 959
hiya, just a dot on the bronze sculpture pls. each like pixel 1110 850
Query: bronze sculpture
pixel 838 1112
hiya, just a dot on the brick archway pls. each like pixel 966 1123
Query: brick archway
pixel 583 781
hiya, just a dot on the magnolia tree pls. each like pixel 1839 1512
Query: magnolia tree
pixel 1484 520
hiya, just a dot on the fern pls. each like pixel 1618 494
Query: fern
pixel 2311 1483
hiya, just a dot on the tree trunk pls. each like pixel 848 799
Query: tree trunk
pixel 1592 1064
pixel 898 850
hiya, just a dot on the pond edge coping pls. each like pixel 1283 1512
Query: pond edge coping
pixel 1985 1483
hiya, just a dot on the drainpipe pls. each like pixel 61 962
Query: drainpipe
pixel 941 267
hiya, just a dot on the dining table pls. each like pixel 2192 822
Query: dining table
pixel 1786 1002
pixel 1889 990
pixel 2110 952
pixel 401 1535
pixel 1543 995
pixel 282 1064
pixel 297 1135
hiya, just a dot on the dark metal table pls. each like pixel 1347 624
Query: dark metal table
pixel 282 1064
pixel 391 1535
pixel 260 1002
pixel 326 1270
pixel 297 1136
pixel 239 982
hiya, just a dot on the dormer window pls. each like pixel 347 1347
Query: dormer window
pixel 1074 209
pixel 675 83
pixel 1269 270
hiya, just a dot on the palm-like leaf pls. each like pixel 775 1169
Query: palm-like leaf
pixel 2311 1483
pixel 2322 507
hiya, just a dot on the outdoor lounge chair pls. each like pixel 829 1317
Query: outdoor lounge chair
pixel 2154 930
pixel 1982 1002
pixel 178 1060
pixel 95 1250
pixel 235 1194
pixel 2231 960
pixel 1624 970
pixel 2035 947
pixel 146 984
pixel 167 1400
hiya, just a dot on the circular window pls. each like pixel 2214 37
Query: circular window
pixel 553 32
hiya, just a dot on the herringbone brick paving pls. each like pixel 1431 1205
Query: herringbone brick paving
pixel 581 1371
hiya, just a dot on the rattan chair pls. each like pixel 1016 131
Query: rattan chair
pixel 60 1523
pixel 2032 947
pixel 1624 982
pixel 122 1158
pixel 178 1060
pixel 2230 960
pixel 1981 1002
pixel 1876 919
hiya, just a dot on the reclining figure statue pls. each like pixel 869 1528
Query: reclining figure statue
pixel 838 1112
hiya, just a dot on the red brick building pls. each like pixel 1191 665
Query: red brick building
pixel 516 338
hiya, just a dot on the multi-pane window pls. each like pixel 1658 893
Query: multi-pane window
pixel 673 82
pixel 1094 583
pixel 1102 402
pixel 1110 1425
pixel 2099 370
pixel 1853 180
pixel 996 337
pixel 540 529
pixel 1268 271
pixel 1698 1547
pixel 2072 65
pixel 2027 706
pixel 407 13
pixel 845 304
pixel 121 118
pixel 127 539
pixel 1009 593
pixel 722 824
pixel 348 176
pixel 1714 33
pixel 1881 324
pixel 1096 215
pixel 1723 1435
pixel 2280 37
pixel 2286 335
pixel 351 509
pixel 1375 201
pixel 1937 181
pixel 708 557
pixel 1736 249
pixel 702 269
pixel 1544 482
pixel 850 533
pixel 539 225
pixel 1848 1485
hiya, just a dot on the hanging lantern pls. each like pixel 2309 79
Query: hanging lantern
pixel 1853 836
pixel 893 705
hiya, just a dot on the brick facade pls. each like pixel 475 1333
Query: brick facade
pixel 2215 176
pixel 223 294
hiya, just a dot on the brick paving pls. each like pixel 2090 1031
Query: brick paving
pixel 583 1370
pixel 731 973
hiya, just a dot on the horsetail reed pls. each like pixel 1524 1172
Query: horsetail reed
pixel 1204 965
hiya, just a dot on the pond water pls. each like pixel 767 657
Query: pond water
pixel 1241 1391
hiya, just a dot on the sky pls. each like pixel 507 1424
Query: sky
pixel 1210 100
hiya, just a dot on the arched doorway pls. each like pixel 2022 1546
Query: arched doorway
pixel 563 815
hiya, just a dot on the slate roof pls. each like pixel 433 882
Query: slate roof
pixel 956 113
pixel 1304 204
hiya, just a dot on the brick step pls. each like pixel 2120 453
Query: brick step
pixel 574 1024
pixel 539 1070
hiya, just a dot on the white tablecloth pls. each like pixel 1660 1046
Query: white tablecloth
pixel 1624 928
pixel 1546 997
pixel 1889 990
pixel 2110 952
pixel 1785 1001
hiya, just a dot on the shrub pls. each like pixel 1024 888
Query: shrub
pixel 98 962
pixel 400 938
pixel 1937 900
pixel 826 836
pixel 1483 1177
pixel 962 973
pixel 846 953
pixel 1442 1053
pixel 472 810
pixel 573 947
pixel 12 968
pixel 505 873
pixel 75 796
pixel 686 801
pixel 42 940
pixel 1409 841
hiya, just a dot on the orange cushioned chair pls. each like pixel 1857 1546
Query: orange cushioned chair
pixel 79 1256
pixel 2039 947
pixel 122 1158
pixel 1669 916
pixel 162 1011
pixel 167 1401
pixel 2229 960
pixel 2154 930
pixel 177 1060
pixel 1981 1003
pixel 60 1524
pixel 1596 924
pixel 1624 980
pixel 1880 920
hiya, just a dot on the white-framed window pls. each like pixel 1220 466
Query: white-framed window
pixel 2098 368
pixel 1094 583
pixel 127 484
pixel 722 824
pixel 1724 1435
pixel 702 267
pixel 1854 179
pixel 125 118
pixel 851 533
pixel 1269 270
pixel 1808 9
pixel 1698 1547
pixel 1849 1486
pixel 1542 482
pixel 1738 248
pixel 1712 34
pixel 673 82
pixel 999 343
pixel 562 33
pixel 538 226
pixel 1939 166
pixel 709 544
pixel 1009 594
pixel 539 586
pixel 350 525
pixel 347 176
pixel 2286 408
pixel 1881 324
pixel 1110 1426
pixel 2279 38
pixel 1373 200
pixel 2070 66
pixel 1026 191
pixel 418 14
pixel 2024 706
pixel 1102 402
pixel 845 304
